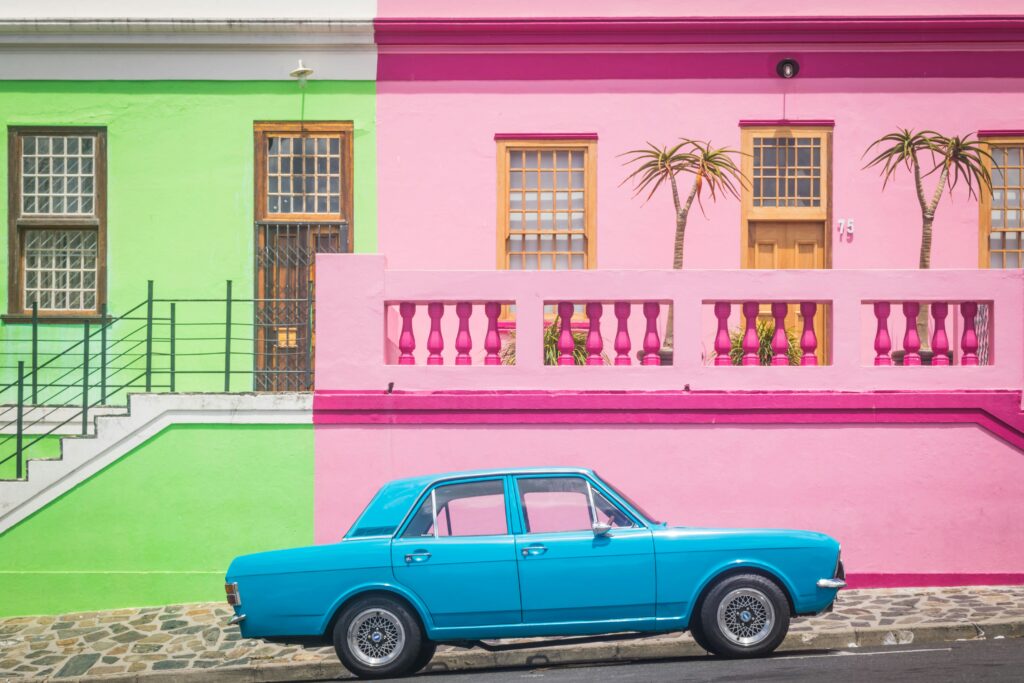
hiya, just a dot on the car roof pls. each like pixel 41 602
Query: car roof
pixel 392 502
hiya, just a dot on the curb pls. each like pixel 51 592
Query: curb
pixel 652 647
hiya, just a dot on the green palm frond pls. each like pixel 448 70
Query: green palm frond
pixel 713 168
pixel 964 158
pixel 900 149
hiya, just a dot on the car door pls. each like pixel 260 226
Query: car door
pixel 456 553
pixel 566 571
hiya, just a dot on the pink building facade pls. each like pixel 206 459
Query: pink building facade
pixel 489 225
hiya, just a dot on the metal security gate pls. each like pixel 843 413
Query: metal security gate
pixel 285 279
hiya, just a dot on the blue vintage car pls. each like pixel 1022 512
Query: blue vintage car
pixel 467 557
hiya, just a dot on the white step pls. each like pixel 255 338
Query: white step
pixel 59 420
pixel 117 435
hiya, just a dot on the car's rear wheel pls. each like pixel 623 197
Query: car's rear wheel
pixel 378 637
pixel 745 615
pixel 427 651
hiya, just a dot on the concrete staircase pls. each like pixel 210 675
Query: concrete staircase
pixel 116 433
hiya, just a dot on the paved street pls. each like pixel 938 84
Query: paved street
pixel 990 660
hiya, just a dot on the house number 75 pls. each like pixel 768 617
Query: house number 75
pixel 845 228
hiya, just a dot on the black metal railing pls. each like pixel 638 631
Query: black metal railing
pixel 159 345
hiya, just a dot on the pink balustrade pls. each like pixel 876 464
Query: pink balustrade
pixel 447 330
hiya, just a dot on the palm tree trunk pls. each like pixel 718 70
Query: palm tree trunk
pixel 925 257
pixel 682 211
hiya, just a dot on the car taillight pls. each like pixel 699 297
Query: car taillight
pixel 234 599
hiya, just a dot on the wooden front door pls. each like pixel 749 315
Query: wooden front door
pixel 787 245
pixel 303 208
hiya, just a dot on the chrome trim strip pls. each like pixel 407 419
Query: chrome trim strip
pixel 831 583
pixel 237 619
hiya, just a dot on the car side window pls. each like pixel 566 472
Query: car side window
pixel 474 508
pixel 556 504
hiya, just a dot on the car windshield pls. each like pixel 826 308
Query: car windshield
pixel 632 503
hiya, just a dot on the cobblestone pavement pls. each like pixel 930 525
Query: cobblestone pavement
pixel 178 637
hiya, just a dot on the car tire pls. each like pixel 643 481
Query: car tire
pixel 427 650
pixel 745 615
pixel 697 632
pixel 379 637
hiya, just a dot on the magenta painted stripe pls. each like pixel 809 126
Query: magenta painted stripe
pixel 545 136
pixel 751 123
pixel 998 411
pixel 553 65
pixel 1012 133
pixel 699 31
pixel 931 580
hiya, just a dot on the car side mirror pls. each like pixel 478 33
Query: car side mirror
pixel 601 529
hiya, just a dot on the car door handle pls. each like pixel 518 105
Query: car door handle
pixel 418 556
pixel 536 549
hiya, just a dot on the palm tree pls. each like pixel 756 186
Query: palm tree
pixel 954 158
pixel 712 168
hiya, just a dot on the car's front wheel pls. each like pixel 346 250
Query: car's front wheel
pixel 378 637
pixel 745 615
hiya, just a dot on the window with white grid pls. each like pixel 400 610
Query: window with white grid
pixel 58 222
pixel 548 206
pixel 1006 207
pixel 58 175
pixel 303 174
pixel 60 269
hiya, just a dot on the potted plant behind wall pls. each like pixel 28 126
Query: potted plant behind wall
pixel 955 159
pixel 713 169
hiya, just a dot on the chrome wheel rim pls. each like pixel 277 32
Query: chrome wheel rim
pixel 746 616
pixel 376 637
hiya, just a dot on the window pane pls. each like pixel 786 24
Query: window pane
pixel 787 171
pixel 60 269
pixel 57 175
pixel 473 509
pixel 303 174
pixel 545 206
pixel 553 504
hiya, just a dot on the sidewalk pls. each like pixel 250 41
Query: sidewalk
pixel 179 642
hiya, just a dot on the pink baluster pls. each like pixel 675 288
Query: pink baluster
pixel 435 342
pixel 883 344
pixel 652 342
pixel 723 344
pixel 911 341
pixel 940 342
pixel 780 341
pixel 751 343
pixel 969 341
pixel 463 340
pixel 808 340
pixel 622 343
pixel 595 345
pixel 566 344
pixel 492 342
pixel 406 340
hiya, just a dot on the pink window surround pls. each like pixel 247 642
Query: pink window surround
pixel 1001 133
pixel 998 412
pixel 545 136
pixel 767 123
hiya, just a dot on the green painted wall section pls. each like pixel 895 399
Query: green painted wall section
pixel 180 187
pixel 161 524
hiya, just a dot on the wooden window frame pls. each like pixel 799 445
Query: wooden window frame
pixel 985 197
pixel 589 147
pixel 749 212
pixel 262 130
pixel 17 225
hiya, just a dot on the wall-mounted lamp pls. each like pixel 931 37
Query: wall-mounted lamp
pixel 302 73
pixel 787 68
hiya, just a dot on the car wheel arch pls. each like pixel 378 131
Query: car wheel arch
pixel 734 570
pixel 381 590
